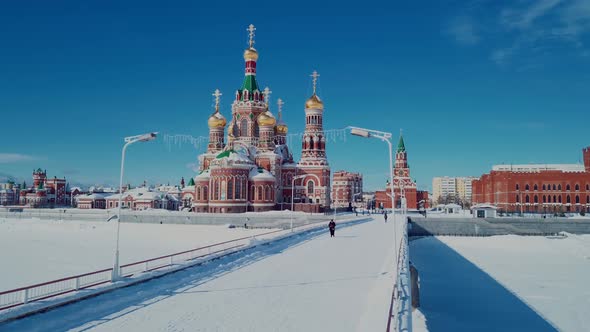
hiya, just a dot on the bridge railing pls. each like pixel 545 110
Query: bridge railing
pixel 23 295
pixel 400 312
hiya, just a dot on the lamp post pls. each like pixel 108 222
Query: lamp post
pixel 385 137
pixel 293 195
pixel 128 141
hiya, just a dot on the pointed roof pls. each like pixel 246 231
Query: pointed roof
pixel 401 146
pixel 191 182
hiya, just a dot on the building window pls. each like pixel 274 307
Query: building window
pixel 244 128
pixel 577 199
pixel 544 199
pixel 223 190
pixel 517 187
pixel 527 199
pixel 526 187
pixel 517 199
pixel 577 187
pixel 216 191
pixel 587 187
pixel 267 194
pixel 238 188
pixel 535 187
pixel 230 189
pixel 559 187
pixel 260 198
pixel 567 187
pixel 554 199
pixel 544 187
pixel 559 198
pixel 205 193
pixel 198 193
pixel 310 188
pixel 536 199
pixel 587 199
pixel 553 186
pixel 568 199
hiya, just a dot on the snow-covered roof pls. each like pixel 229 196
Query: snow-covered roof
pixel 260 174
pixel 484 206
pixel 93 196
pixel 203 175
pixel 535 168
pixel 143 194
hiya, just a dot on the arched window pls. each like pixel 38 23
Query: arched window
pixel 517 199
pixel 198 193
pixel 244 183
pixel 587 199
pixel 526 187
pixel 577 199
pixel 554 186
pixel 536 187
pixel 310 188
pixel 223 190
pixel 238 188
pixel 577 187
pixel 527 200
pixel 267 195
pixel 517 187
pixel 230 189
pixel 544 188
pixel 567 187
pixel 559 198
pixel 544 199
pixel 244 127
pixel 260 198
pixel 536 199
pixel 554 199
pixel 568 199
pixel 205 193
pixel 587 187
pixel 559 187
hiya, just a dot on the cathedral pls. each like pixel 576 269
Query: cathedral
pixel 248 165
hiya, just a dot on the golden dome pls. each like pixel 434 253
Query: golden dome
pixel 216 120
pixel 250 54
pixel 266 119
pixel 314 102
pixel 282 129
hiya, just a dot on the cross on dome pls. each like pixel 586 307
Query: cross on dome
pixel 315 76
pixel 266 92
pixel 280 103
pixel 216 94
pixel 251 30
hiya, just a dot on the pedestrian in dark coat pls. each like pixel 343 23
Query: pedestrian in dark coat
pixel 385 216
pixel 332 227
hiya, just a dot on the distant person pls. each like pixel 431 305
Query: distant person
pixel 332 227
pixel 385 216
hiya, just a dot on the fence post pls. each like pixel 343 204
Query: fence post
pixel 25 296
pixel 77 285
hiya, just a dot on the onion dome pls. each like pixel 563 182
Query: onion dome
pixel 250 54
pixel 282 128
pixel 216 120
pixel 266 119
pixel 314 102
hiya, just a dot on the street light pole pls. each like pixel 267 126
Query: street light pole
pixel 129 140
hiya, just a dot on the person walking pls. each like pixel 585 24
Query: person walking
pixel 332 227
pixel 385 216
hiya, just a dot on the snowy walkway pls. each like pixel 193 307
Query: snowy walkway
pixel 306 283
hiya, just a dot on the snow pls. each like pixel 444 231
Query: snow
pixel 304 283
pixel 48 250
pixel 260 174
pixel 504 282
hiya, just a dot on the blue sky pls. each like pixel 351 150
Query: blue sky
pixel 472 83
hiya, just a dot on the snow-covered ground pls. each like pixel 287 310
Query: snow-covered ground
pixel 504 282
pixel 307 282
pixel 35 251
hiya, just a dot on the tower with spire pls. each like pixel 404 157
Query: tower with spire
pixel 313 154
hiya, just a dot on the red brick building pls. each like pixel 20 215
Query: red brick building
pixel 44 192
pixel 402 183
pixel 346 188
pixel 536 188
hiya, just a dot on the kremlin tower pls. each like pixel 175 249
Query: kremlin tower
pixel 254 169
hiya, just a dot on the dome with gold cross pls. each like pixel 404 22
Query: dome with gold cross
pixel 216 120
pixel 250 53
pixel 314 102
pixel 281 127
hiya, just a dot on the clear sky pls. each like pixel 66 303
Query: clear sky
pixel 472 83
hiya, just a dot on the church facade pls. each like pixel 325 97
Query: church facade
pixel 248 165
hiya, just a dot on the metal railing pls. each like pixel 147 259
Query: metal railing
pixel 399 317
pixel 23 295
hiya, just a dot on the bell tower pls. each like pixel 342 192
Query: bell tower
pixel 586 153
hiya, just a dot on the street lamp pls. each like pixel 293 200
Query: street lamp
pixel 383 136
pixel 128 141
pixel 293 194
